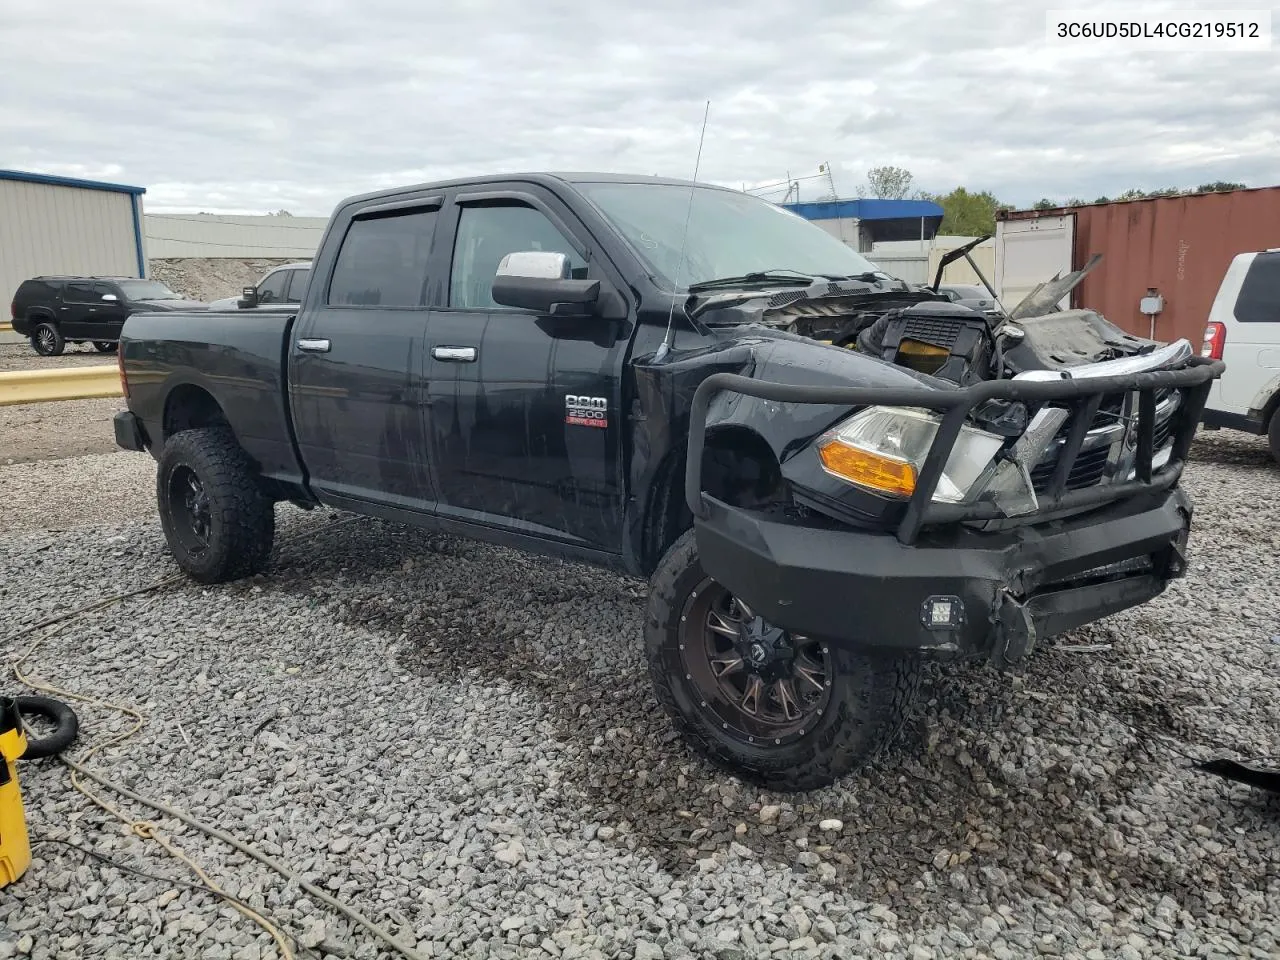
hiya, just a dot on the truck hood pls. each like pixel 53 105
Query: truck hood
pixel 767 353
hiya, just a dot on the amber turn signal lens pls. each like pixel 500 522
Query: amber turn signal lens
pixel 868 469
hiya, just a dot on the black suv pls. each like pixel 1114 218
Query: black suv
pixel 55 311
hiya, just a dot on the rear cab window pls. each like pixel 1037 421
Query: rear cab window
pixel 1259 299
pixel 383 260
pixel 297 283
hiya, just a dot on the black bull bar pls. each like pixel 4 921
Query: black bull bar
pixel 1193 381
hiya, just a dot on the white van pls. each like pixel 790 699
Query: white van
pixel 1244 332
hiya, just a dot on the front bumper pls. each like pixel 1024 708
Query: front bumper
pixel 1015 587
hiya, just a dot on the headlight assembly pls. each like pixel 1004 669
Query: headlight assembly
pixel 883 449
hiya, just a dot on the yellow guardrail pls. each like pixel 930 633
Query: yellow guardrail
pixel 70 383
pixel 6 326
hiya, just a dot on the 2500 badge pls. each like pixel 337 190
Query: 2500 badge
pixel 586 411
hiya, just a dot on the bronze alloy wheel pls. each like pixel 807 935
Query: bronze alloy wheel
pixel 759 683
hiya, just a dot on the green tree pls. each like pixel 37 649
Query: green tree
pixel 889 183
pixel 1219 186
pixel 1077 202
pixel 1103 199
pixel 967 213
pixel 1044 203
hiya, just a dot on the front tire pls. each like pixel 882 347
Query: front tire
pixel 1273 436
pixel 216 519
pixel 47 340
pixel 105 346
pixel 782 710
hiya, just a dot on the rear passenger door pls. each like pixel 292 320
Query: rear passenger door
pixel 509 449
pixel 355 366
pixel 79 307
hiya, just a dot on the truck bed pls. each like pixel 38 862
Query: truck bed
pixel 237 356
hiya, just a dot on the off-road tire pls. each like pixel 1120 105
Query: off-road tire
pixel 870 696
pixel 1273 436
pixel 46 340
pixel 105 346
pixel 241 517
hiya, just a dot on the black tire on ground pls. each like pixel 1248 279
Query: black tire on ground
pixel 47 341
pixel 215 517
pixel 105 346
pixel 65 726
pixel 1273 435
pixel 858 716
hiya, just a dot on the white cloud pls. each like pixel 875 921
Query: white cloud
pixel 254 105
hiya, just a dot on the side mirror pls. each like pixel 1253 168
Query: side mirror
pixel 110 297
pixel 540 280
pixel 248 297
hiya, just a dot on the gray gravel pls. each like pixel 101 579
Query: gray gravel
pixel 460 740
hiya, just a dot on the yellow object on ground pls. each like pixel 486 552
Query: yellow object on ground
pixel 15 846
pixel 68 383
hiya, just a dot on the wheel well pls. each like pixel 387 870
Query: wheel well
pixel 188 407
pixel 39 313
pixel 738 467
pixel 1270 410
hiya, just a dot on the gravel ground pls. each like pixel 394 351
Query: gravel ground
pixel 211 279
pixel 461 741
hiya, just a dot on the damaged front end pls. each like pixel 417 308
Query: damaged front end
pixel 973 520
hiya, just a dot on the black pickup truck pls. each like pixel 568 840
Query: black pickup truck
pixel 825 473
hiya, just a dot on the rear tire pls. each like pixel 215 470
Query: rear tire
pixel 838 730
pixel 1273 436
pixel 47 341
pixel 216 519
pixel 105 346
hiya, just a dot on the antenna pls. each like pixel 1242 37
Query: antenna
pixel 665 347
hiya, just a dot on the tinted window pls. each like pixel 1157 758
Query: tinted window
pixel 297 283
pixel 39 291
pixel 80 292
pixel 486 235
pixel 1259 300
pixel 383 261
pixel 271 289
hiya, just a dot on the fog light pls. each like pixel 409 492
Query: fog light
pixel 942 613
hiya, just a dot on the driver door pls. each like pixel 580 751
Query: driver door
pixel 512 445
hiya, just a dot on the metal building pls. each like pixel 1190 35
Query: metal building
pixel 58 225
pixel 1179 247
pixel 205 235
pixel 861 223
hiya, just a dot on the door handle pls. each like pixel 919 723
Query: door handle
pixel 313 345
pixel 454 354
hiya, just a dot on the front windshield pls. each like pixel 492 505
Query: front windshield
pixel 730 234
pixel 147 290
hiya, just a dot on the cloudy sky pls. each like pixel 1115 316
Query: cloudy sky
pixel 257 105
